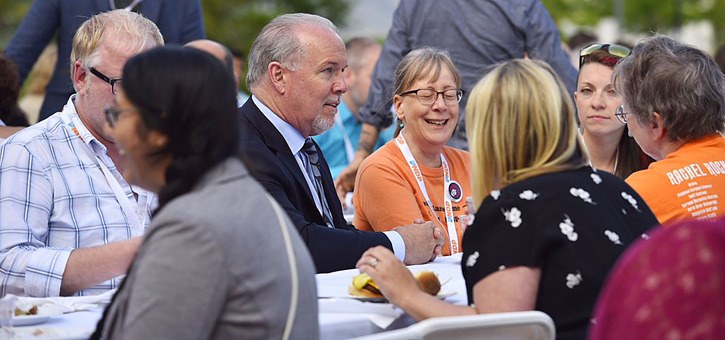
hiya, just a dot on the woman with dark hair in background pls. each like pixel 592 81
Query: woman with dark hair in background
pixel 606 137
pixel 220 259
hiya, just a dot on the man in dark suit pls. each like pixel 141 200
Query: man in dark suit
pixel 295 76
pixel 180 21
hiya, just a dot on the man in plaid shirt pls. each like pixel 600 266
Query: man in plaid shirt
pixel 70 224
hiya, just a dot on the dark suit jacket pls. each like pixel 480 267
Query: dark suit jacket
pixel 179 21
pixel 271 162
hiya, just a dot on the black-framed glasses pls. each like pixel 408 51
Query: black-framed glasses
pixel 429 96
pixel 112 114
pixel 112 81
pixel 621 115
pixel 613 54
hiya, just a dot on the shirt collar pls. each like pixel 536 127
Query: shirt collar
pixel 74 122
pixel 293 137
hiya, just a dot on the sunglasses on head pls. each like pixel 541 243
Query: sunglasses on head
pixel 613 53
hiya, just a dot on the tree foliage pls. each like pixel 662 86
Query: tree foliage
pixel 11 13
pixel 234 23
pixel 642 15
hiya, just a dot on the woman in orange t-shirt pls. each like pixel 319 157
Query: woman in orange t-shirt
pixel 416 176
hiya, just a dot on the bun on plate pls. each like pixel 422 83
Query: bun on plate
pixel 363 285
pixel 428 282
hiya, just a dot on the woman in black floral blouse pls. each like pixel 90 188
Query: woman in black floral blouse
pixel 548 228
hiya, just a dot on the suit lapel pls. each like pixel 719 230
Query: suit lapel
pixel 275 141
pixel 329 186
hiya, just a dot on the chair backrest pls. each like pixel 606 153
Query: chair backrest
pixel 532 325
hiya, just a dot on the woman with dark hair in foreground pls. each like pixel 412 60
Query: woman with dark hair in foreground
pixel 220 259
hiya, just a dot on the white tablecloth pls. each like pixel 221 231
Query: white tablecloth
pixel 340 316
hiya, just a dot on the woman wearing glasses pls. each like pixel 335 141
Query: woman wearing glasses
pixel 416 176
pixel 548 228
pixel 220 260
pixel 605 134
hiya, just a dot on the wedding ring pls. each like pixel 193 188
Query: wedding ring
pixel 373 262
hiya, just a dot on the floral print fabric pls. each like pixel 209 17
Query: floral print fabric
pixel 573 225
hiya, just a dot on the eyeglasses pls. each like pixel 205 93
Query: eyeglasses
pixel 621 115
pixel 112 81
pixel 429 96
pixel 112 114
pixel 616 52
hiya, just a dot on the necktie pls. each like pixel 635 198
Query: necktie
pixel 312 165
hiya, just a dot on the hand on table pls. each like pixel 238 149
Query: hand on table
pixel 395 280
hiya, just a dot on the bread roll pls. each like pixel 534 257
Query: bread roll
pixel 428 282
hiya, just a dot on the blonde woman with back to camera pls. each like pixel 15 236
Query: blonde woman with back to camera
pixel 548 226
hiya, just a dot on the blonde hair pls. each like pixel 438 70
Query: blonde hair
pixel 520 122
pixel 130 31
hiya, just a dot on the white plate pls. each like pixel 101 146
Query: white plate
pixel 27 320
pixel 52 332
pixel 441 295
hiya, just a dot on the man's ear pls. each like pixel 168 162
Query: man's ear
pixel 80 76
pixel 657 126
pixel 277 73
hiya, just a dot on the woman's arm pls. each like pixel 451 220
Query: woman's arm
pixel 508 290
pixel 400 288
pixel 512 289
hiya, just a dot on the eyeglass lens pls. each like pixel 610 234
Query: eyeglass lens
pixel 615 51
pixel 428 96
pixel 620 114
pixel 111 115
pixel 108 80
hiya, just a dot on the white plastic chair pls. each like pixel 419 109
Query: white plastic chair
pixel 501 326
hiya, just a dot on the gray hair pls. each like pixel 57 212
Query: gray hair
pixel 129 30
pixel 279 42
pixel 680 82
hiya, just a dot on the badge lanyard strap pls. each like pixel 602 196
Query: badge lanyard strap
pixel 450 222
pixel 115 186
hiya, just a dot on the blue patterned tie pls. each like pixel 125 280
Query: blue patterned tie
pixel 313 170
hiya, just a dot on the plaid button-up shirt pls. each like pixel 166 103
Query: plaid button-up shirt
pixel 54 197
